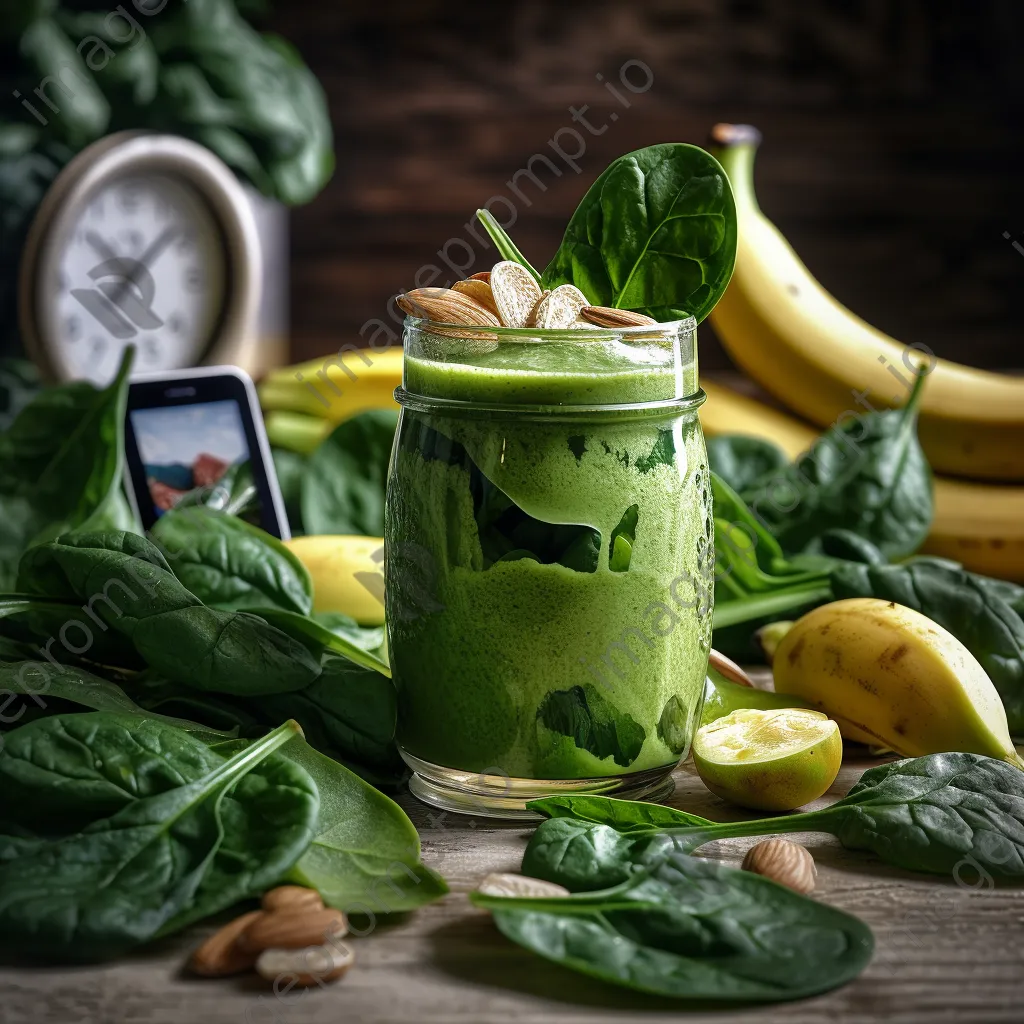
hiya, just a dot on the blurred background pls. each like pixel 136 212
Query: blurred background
pixel 892 156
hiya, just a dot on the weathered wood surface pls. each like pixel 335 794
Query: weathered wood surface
pixel 945 953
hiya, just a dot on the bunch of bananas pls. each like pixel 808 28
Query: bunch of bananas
pixel 823 362
pixel 303 403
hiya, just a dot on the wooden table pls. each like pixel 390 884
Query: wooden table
pixel 944 953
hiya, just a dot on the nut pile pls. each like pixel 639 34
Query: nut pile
pixel 508 296
pixel 293 941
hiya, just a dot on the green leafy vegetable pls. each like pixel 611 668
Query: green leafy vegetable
pixel 365 856
pixel 656 233
pixel 60 466
pixel 944 813
pixel 164 859
pixel 690 928
pixel 343 489
pixel 740 460
pixel 231 565
pixel 593 724
pixel 126 583
pixel 291 468
pixel 366 638
pixel 867 475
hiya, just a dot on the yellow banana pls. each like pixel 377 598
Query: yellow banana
pixel 335 390
pixel 890 676
pixel 347 572
pixel 978 524
pixel 297 431
pixel 781 326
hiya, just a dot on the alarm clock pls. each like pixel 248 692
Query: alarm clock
pixel 146 240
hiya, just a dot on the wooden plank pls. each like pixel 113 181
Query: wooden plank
pixel 944 954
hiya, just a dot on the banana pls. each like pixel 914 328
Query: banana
pixel 297 431
pixel 891 677
pixel 977 524
pixel 347 572
pixel 334 390
pixel 781 326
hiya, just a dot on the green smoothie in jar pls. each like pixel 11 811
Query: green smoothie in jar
pixel 549 540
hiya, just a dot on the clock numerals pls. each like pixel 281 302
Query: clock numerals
pixel 175 323
pixel 73 328
pixel 151 350
pixel 194 280
pixel 128 198
pixel 98 346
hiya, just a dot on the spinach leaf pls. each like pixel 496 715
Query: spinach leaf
pixel 291 468
pixel 691 928
pixel 163 860
pixel 349 712
pixel 366 638
pixel 343 489
pixel 43 683
pixel 320 640
pixel 19 383
pixel 231 565
pixel 958 601
pixel 505 246
pixel 942 813
pixel 740 460
pixel 60 466
pixel 656 233
pixel 125 582
pixel 365 856
pixel 867 475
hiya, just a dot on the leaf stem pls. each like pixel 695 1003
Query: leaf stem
pixel 731 613
pixel 503 243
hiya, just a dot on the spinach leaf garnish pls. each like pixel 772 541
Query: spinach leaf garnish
pixel 656 233
pixel 506 247
pixel 689 928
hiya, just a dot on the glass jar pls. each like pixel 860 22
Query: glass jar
pixel 549 562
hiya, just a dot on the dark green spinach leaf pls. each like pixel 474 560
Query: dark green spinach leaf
pixel 740 460
pixel 690 928
pixel 942 813
pixel 343 489
pixel 163 860
pixel 60 466
pixel 593 724
pixel 231 565
pixel 656 233
pixel 867 475
pixel 125 582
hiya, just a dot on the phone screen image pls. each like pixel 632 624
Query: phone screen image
pixel 197 438
pixel 187 447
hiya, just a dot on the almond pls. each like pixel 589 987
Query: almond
pixel 292 898
pixel 446 307
pixel 728 669
pixel 559 309
pixel 219 955
pixel 478 291
pixel 285 929
pixel 509 884
pixel 483 275
pixel 605 316
pixel 515 291
pixel 787 863
pixel 313 965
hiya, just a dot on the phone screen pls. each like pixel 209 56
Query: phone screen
pixel 197 439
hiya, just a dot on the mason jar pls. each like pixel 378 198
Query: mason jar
pixel 549 562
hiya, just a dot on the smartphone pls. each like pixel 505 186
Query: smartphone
pixel 197 437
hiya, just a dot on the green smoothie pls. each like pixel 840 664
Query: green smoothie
pixel 548 567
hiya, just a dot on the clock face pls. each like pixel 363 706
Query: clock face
pixel 142 264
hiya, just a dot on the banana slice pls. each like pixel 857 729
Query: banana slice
pixel 515 293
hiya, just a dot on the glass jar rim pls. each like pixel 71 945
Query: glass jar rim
pixel 529 335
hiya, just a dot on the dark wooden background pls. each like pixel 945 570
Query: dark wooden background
pixel 892 158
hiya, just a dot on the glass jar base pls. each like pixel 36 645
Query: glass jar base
pixel 498 796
